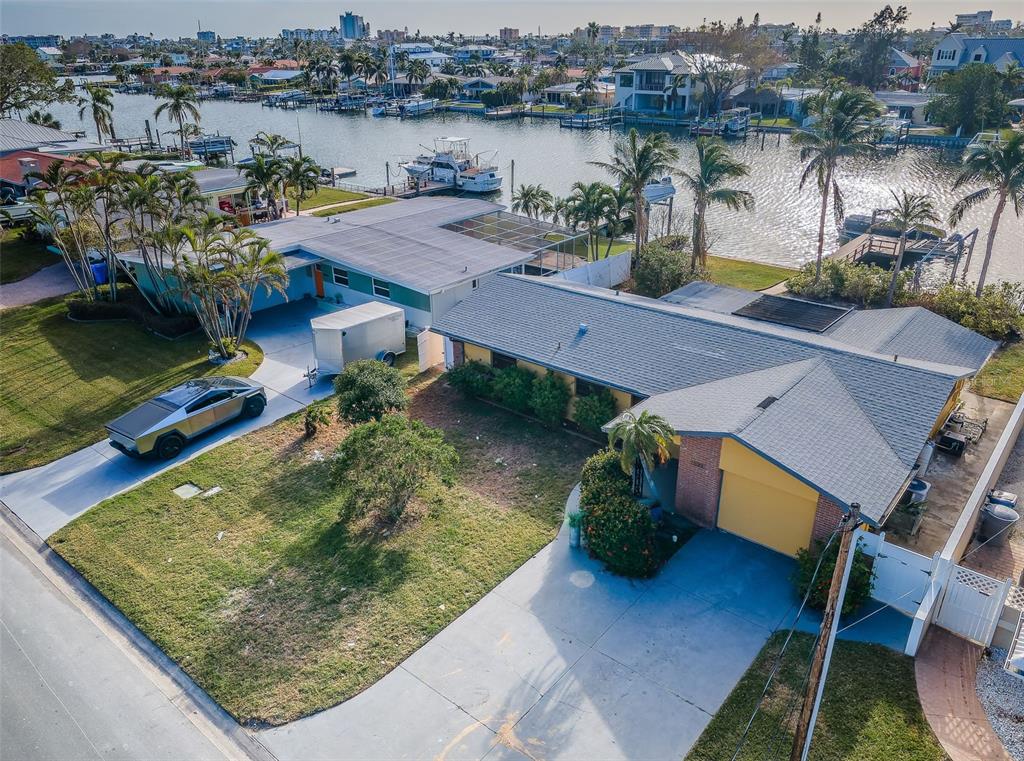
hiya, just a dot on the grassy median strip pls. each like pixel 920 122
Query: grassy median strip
pixel 279 609
pixel 869 712
pixel 330 211
pixel 60 381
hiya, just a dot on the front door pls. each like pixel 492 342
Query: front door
pixel 318 279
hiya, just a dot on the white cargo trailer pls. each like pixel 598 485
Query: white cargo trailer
pixel 368 331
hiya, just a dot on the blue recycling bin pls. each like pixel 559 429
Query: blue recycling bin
pixel 99 272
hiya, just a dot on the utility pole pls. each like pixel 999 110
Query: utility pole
pixel 826 639
pixel 513 183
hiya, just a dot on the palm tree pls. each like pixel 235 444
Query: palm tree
pixel 532 200
pixel 1000 165
pixel 348 66
pixel 100 106
pixel 676 83
pixel 635 163
pixel 270 142
pixel 264 179
pixel 620 204
pixel 593 30
pixel 909 211
pixel 589 203
pixel 588 84
pixel 714 167
pixel 301 175
pixel 561 211
pixel 180 103
pixel 253 265
pixel 43 119
pixel 644 440
pixel 417 73
pixel 843 130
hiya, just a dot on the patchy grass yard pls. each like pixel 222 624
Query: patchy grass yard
pixel 20 258
pixel 1003 376
pixel 291 610
pixel 60 381
pixel 869 712
pixel 331 211
pixel 323 196
pixel 740 273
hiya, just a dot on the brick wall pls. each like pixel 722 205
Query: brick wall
pixel 699 481
pixel 826 518
pixel 458 353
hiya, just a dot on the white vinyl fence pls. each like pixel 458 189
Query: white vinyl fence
pixel 605 273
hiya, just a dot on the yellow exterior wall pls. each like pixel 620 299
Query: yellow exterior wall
pixel 477 353
pixel 623 401
pixel 947 410
pixel 763 503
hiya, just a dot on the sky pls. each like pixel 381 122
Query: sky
pixel 264 18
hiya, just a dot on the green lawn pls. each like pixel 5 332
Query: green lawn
pixel 739 273
pixel 1003 376
pixel 20 258
pixel 60 381
pixel 785 121
pixel 353 207
pixel 325 195
pixel 291 610
pixel 869 712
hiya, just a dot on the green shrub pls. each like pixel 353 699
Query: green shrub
pixel 858 589
pixel 862 284
pixel 619 530
pixel 593 411
pixel 996 314
pixel 368 390
pixel 663 266
pixel 473 378
pixel 318 415
pixel 381 465
pixel 513 387
pixel 550 398
pixel 130 305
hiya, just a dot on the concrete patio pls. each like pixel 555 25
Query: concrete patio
pixel 49 497
pixel 564 660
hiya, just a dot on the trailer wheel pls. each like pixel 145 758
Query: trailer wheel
pixel 387 357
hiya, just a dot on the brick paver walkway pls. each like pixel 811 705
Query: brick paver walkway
pixel 946 670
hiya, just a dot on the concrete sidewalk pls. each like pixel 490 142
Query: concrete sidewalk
pixel 48 497
pixel 48 282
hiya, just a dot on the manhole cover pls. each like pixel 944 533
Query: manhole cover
pixel 187 490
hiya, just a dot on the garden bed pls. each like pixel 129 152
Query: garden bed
pixel 291 610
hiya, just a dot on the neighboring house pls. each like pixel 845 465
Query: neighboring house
pixel 472 88
pixel 224 189
pixel 780 428
pixel 646 86
pixel 49 55
pixel 16 135
pixel 958 49
pixel 423 255
pixel 168 74
pixel 903 67
pixel 603 93
pixel 422 51
pixel 276 76
pixel 466 53
pixel 16 165
pixel 784 70
pixel 905 105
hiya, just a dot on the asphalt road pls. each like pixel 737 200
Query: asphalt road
pixel 67 691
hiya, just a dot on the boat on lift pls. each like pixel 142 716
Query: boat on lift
pixel 735 122
pixel 451 163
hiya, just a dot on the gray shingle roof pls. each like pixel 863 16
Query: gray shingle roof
pixel 855 410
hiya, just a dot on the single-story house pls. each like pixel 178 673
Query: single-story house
pixel 16 135
pixel 423 255
pixel 16 165
pixel 473 87
pixel 276 76
pixel 168 74
pixel 603 93
pixel 786 412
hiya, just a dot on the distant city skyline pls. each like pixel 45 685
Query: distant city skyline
pixel 262 18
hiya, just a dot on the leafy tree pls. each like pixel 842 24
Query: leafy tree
pixel 843 130
pixel 26 82
pixel 100 106
pixel 382 464
pixel 664 268
pixel 858 588
pixel 180 104
pixel 369 390
pixel 714 167
pixel 909 212
pixel 636 162
pixel 971 99
pixel 644 440
pixel 871 45
pixel 997 313
pixel 1000 166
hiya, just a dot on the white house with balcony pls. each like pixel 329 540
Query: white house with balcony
pixel 957 50
pixel 661 84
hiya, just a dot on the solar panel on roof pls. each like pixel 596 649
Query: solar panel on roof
pixel 794 313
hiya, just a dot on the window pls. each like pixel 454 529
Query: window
pixel 946 55
pixel 978 56
pixel 626 80
pixel 586 388
pixel 340 276
pixel 501 361
pixel 476 284
pixel 209 400
pixel 382 289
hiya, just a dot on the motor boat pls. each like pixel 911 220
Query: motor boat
pixel 452 163
pixel 657 191
pixel 735 122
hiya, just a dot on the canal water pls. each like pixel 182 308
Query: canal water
pixel 781 230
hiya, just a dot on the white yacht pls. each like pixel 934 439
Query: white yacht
pixel 451 163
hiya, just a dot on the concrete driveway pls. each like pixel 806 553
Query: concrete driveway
pixel 566 661
pixel 48 497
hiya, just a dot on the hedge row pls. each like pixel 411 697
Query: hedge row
pixel 130 305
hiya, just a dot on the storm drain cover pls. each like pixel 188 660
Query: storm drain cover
pixel 187 490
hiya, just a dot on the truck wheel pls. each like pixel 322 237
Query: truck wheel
pixel 254 406
pixel 170 446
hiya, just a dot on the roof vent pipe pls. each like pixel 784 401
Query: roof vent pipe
pixel 583 328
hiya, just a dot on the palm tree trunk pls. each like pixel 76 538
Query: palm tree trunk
pixel 896 267
pixel 638 223
pixel 821 224
pixel 989 243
